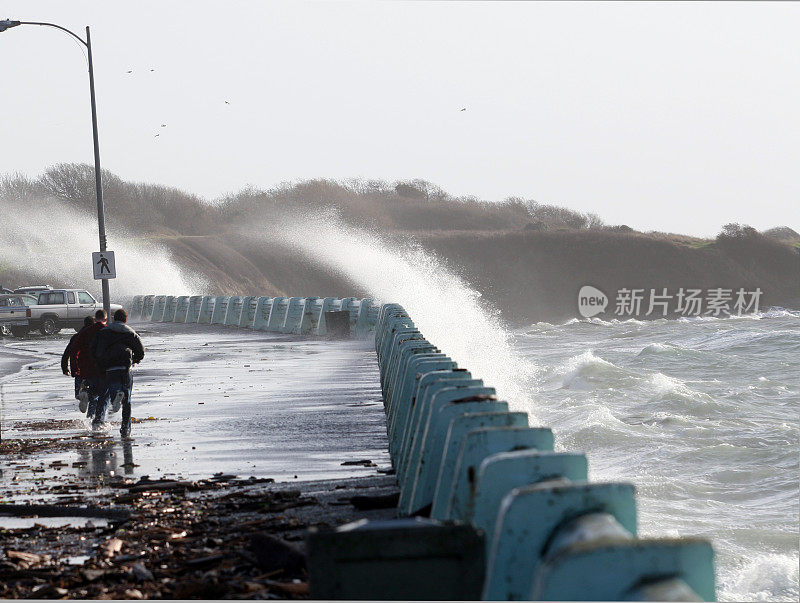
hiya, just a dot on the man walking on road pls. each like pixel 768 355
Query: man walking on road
pixel 116 348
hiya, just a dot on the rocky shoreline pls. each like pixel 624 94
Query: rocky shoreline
pixel 221 537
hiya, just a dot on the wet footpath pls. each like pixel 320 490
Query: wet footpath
pixel 240 442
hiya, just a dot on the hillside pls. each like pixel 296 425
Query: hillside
pixel 525 258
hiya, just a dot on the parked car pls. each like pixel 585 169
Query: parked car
pixel 63 308
pixel 14 315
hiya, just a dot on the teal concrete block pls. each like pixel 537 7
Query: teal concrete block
pixel 393 339
pixel 193 312
pixel 206 309
pixel 328 305
pixel 436 395
pixel 529 517
pixel 400 341
pixel 617 571
pixel 294 313
pixel 403 390
pixel 498 474
pixel 181 309
pixel 422 477
pixel 363 326
pixel 405 559
pixel 147 306
pixel 263 312
pixel 277 314
pixel 456 432
pixel 478 445
pixel 399 413
pixel 170 309
pixel 233 312
pixel 309 315
pixel 220 309
pixel 248 314
pixel 159 305
pixel 403 430
pixel 136 306
pixel 403 373
pixel 408 460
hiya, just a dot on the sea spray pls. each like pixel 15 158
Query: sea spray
pixel 450 314
pixel 53 243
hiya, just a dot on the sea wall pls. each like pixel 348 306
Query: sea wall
pixel 288 315
pixel 550 534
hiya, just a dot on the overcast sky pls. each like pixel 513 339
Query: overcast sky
pixel 677 117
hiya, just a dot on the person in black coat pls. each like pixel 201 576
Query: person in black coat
pixel 116 349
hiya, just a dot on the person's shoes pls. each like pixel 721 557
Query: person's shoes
pixel 97 425
pixel 116 403
pixel 83 400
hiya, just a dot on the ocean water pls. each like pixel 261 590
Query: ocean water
pixel 702 415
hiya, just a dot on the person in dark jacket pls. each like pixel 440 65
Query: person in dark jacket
pixel 116 348
pixel 92 375
pixel 71 355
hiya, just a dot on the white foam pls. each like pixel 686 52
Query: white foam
pixel 769 577
pixel 448 312
pixel 55 243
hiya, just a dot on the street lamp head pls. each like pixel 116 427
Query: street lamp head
pixel 8 24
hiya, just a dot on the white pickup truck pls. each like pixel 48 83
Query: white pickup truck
pixel 63 308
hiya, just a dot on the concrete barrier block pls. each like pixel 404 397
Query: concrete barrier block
pixel 475 447
pixel 459 427
pixel 277 314
pixel 220 309
pixel 528 518
pixel 498 474
pixel 263 312
pixel 363 326
pixel 147 306
pixel 206 309
pixel 407 350
pixel 436 395
pixel 234 311
pixel 248 314
pixel 294 314
pixel 170 305
pixel 136 306
pixel 623 570
pixel 398 414
pixel 406 559
pixel 181 309
pixel 328 305
pixel 312 306
pixel 159 305
pixel 408 460
pixel 421 478
pixel 402 429
pixel 193 313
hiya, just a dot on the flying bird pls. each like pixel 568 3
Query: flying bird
pixel 464 109
pixel 152 70
pixel 227 103
pixel 163 125
pixel 157 135
pixel 131 71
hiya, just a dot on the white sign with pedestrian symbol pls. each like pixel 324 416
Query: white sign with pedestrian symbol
pixel 103 265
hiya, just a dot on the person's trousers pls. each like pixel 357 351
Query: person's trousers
pixel 116 381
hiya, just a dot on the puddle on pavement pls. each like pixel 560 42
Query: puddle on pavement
pixel 16 523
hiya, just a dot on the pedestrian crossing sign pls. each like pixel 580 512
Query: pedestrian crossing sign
pixel 103 265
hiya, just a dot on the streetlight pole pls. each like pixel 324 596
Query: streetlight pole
pixel 101 216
